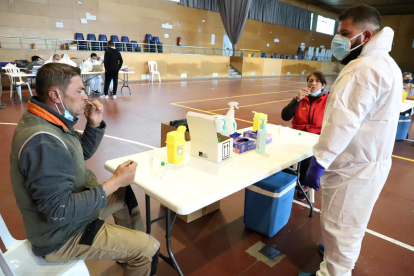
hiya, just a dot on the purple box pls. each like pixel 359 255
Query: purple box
pixel 241 144
pixel 253 135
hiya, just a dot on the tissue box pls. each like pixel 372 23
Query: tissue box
pixel 253 135
pixel 241 144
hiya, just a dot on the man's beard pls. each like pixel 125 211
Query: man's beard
pixel 353 54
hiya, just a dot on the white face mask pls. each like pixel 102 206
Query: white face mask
pixel 339 46
pixel 66 114
pixel 316 93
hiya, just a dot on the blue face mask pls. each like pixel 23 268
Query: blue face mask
pixel 66 114
pixel 339 46
pixel 316 93
pixel 408 80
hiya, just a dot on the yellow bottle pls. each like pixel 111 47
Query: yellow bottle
pixel 175 145
pixel 404 96
pixel 257 123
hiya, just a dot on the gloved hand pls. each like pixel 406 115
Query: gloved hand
pixel 314 174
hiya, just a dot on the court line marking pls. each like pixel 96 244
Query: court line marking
pixel 240 96
pixel 108 136
pixel 404 245
pixel 403 158
pixel 391 240
pixel 253 104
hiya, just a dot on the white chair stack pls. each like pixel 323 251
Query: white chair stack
pixel 153 70
pixel 19 84
pixel 19 260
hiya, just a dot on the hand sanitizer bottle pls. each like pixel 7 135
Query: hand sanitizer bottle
pixel 261 137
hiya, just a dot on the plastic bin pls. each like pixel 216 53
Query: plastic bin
pixel 402 129
pixel 268 203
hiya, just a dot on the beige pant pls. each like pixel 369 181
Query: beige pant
pixel 114 242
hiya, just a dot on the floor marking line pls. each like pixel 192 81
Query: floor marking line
pixel 403 158
pixel 240 96
pixel 391 240
pixel 253 104
pixel 11 124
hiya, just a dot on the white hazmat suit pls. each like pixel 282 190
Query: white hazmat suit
pixel 67 60
pixel 355 146
pixel 95 80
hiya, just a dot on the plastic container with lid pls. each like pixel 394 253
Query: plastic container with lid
pixel 175 145
pixel 257 123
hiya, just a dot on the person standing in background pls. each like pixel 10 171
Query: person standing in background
pixel 113 63
pixel 408 86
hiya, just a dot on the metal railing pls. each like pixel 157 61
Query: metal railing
pixel 58 44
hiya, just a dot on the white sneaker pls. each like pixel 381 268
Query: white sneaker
pixel 114 97
pixel 102 97
pixel 106 97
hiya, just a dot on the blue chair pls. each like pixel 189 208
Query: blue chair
pixel 148 40
pixel 82 43
pixel 287 57
pixel 282 56
pixel 93 46
pixel 157 43
pixel 127 45
pixel 293 57
pixel 263 55
pixel 103 41
pixel 302 57
pixel 274 55
pixel 135 46
pixel 116 42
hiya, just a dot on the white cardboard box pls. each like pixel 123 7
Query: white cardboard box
pixel 204 138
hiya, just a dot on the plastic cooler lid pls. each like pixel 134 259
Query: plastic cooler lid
pixel 277 182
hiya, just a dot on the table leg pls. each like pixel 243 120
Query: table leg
pixel 125 83
pixel 306 195
pixel 170 259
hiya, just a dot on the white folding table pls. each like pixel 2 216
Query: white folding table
pixel 197 183
pixel 407 106
pixel 125 80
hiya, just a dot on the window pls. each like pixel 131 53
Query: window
pixel 311 21
pixel 325 25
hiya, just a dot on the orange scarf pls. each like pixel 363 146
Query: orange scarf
pixel 37 110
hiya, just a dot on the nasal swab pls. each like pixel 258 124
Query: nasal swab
pixel 90 103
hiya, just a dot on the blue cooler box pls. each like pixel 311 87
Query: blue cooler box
pixel 268 203
pixel 403 126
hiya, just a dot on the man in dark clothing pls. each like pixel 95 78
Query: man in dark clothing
pixel 113 63
pixel 62 204
pixel 35 62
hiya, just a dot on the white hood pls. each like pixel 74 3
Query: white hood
pixel 380 43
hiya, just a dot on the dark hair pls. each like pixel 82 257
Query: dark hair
pixel 320 76
pixel 93 55
pixel 110 43
pixel 55 56
pixel 35 58
pixel 362 14
pixel 54 75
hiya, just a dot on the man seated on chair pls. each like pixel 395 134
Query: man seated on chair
pixel 95 80
pixel 35 62
pixel 61 201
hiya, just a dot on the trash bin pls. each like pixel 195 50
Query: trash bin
pixel 268 203
pixel 402 129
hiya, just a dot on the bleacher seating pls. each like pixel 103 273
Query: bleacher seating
pixel 116 42
pixel 103 41
pixel 82 45
pixel 93 46
pixel 127 45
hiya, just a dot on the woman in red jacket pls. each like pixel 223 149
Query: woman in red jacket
pixel 306 111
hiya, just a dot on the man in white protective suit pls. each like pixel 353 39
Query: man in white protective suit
pixel 95 80
pixel 357 139
pixel 66 60
pixel 53 59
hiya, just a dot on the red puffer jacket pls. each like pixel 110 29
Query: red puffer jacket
pixel 309 117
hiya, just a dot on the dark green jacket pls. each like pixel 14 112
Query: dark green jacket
pixel 55 192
